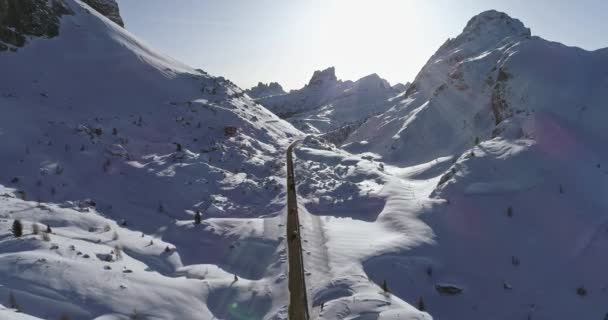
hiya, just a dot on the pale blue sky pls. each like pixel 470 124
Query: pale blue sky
pixel 286 40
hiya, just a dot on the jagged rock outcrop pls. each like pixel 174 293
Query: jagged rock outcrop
pixel 400 87
pixel 20 19
pixel 263 90
pixel 323 76
pixel 109 8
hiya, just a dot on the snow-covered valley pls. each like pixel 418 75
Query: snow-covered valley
pixel 147 189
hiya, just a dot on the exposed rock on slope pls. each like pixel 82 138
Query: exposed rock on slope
pixel 108 8
pixel 20 19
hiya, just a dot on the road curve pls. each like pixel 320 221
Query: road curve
pixel 298 301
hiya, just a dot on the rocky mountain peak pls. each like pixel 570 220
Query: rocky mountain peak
pixel 263 90
pixel 486 30
pixel 327 75
pixel 496 23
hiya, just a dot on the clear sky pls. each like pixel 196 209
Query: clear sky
pixel 286 40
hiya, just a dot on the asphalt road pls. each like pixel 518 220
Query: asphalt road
pixel 298 301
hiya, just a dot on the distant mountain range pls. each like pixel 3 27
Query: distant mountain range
pixel 326 103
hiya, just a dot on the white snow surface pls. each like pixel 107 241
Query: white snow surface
pixel 515 224
pixel 96 114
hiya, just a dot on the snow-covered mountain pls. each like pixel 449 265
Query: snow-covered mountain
pixel 115 147
pixel 326 103
pixel 262 90
pixel 479 194
pixel 476 192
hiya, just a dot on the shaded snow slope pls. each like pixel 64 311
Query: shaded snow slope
pixel 326 103
pixel 96 114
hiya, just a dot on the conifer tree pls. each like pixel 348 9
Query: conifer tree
pixel 17 228
pixel 197 217
pixel 421 305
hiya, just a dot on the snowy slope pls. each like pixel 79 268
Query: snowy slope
pixel 494 72
pixel 94 113
pixel 326 103
pixel 513 227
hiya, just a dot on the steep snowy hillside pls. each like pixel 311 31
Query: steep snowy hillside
pixel 326 103
pixel 479 195
pixel 98 129
pixel 263 90
pixel 489 79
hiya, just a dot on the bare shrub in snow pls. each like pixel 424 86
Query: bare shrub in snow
pixel 118 252
pixel 514 260
pixel 581 291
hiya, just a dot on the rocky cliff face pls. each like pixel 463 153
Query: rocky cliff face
pixel 22 18
pixel 323 76
pixel 108 8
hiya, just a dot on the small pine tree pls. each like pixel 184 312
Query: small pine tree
pixel 48 229
pixel 167 249
pixel 135 315
pixel 17 228
pixel 197 217
pixel 421 305
pixel 12 301
pixel 476 140
pixel 385 286
pixel 35 228
pixel 236 278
